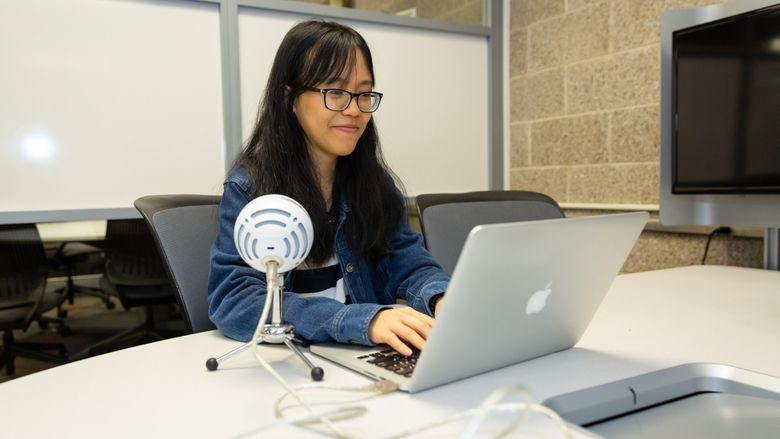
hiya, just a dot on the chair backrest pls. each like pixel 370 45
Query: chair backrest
pixel 132 257
pixel 447 219
pixel 22 273
pixel 184 227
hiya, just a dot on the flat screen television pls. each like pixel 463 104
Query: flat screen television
pixel 726 105
pixel 720 115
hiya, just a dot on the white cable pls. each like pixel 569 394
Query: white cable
pixel 374 389
pixel 256 338
pixel 491 405
pixel 492 400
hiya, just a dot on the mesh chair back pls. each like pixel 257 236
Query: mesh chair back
pixel 132 256
pixel 447 219
pixel 22 260
pixel 184 227
pixel 22 273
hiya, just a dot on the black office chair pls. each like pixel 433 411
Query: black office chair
pixel 184 227
pixel 134 273
pixel 447 219
pixel 23 295
pixel 74 258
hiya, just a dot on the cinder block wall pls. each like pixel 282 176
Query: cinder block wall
pixel 584 100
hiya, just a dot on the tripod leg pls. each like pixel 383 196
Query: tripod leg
pixel 212 363
pixel 316 372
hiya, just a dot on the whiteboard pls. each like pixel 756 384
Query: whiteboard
pixel 433 122
pixel 104 101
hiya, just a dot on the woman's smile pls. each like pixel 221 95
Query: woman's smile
pixel 346 129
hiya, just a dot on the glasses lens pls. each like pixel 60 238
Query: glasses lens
pixel 336 99
pixel 368 102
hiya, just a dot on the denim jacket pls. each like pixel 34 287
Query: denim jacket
pixel 236 292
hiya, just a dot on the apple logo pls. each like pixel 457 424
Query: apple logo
pixel 538 300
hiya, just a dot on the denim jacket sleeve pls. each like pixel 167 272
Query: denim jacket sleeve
pixel 236 292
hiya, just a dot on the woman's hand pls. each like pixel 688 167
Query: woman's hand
pixel 398 327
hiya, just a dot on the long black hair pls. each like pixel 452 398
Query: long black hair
pixel 277 159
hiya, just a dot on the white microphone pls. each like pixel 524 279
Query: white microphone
pixel 273 234
pixel 273 228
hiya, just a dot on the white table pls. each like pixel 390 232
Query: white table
pixel 648 321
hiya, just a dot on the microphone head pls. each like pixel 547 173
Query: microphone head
pixel 273 228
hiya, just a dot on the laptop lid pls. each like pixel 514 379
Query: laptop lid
pixel 519 291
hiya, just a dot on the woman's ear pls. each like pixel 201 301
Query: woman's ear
pixel 287 90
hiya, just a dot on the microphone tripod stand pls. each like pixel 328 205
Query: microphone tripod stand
pixel 276 332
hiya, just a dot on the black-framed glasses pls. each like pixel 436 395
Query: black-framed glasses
pixel 337 99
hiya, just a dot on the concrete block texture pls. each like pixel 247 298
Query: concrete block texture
pixel 635 135
pixel 525 12
pixel 551 181
pixel 582 34
pixel 627 79
pixel 469 12
pixel 537 95
pixel 520 152
pixel 518 52
pixel 570 141
pixel 636 23
pixel 573 5
pixel 614 184
pixel 658 250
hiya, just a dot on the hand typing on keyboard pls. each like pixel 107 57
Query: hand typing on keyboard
pixel 399 327
pixel 393 361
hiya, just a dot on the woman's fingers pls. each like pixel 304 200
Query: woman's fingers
pixel 401 327
pixel 411 336
pixel 420 326
pixel 399 346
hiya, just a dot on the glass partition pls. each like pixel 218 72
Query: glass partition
pixel 455 11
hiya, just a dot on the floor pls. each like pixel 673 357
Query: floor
pixel 89 320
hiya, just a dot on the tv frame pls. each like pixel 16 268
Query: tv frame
pixel 743 210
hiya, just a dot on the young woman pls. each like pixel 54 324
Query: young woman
pixel 315 141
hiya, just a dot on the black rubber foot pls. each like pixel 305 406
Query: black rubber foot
pixel 317 373
pixel 211 364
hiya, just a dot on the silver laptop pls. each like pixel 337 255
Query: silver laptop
pixel 519 291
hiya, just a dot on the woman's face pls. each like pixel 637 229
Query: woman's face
pixel 333 134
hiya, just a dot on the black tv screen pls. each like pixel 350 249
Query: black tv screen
pixel 726 105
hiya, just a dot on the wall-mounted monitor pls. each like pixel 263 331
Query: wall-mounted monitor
pixel 720 115
pixel 726 105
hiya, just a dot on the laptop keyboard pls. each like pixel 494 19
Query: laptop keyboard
pixel 393 361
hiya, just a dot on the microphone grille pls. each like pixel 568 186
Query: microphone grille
pixel 273 227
